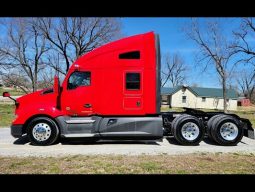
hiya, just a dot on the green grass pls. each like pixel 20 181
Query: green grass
pixel 248 115
pixel 165 109
pixel 6 114
pixel 144 164
pixel 13 92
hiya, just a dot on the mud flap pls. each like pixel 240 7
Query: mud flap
pixel 250 134
pixel 248 130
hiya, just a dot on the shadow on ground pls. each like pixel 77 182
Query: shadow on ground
pixel 24 140
pixel 210 142
pixel 173 141
pixel 21 141
pixel 104 142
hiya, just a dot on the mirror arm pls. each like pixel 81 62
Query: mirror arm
pixel 13 100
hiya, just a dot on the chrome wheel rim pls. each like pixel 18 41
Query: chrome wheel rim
pixel 190 131
pixel 41 131
pixel 229 131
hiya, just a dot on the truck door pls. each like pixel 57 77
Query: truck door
pixel 133 90
pixel 77 98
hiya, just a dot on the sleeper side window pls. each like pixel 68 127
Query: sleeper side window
pixel 78 79
pixel 130 55
pixel 133 81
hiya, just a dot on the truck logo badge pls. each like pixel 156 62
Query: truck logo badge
pixel 67 108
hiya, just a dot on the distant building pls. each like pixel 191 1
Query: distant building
pixel 242 101
pixel 198 97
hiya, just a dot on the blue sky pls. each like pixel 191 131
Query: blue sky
pixel 173 39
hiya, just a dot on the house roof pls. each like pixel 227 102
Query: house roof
pixel 201 92
pixel 169 90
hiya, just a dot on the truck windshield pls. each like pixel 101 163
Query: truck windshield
pixel 79 78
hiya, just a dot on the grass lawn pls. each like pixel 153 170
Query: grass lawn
pixel 6 114
pixel 13 92
pixel 248 113
pixel 204 163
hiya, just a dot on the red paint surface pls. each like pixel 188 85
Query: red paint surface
pixel 107 93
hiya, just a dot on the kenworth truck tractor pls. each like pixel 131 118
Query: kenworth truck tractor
pixel 113 92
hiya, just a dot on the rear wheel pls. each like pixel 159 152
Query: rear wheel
pixel 42 131
pixel 188 130
pixel 210 124
pixel 227 131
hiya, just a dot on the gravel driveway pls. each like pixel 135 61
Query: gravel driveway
pixel 10 146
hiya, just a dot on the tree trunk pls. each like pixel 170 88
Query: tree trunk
pixel 35 77
pixel 35 83
pixel 224 94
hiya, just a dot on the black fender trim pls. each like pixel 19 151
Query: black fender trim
pixel 17 131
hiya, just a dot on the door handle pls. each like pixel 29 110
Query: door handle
pixel 87 105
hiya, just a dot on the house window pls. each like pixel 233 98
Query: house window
pixel 184 98
pixel 203 99
pixel 132 81
pixel 165 99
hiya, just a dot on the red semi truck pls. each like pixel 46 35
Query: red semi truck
pixel 113 92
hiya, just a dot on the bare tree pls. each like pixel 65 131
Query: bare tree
pixel 72 37
pixel 246 82
pixel 46 78
pixel 22 51
pixel 16 80
pixel 245 47
pixel 214 50
pixel 173 70
pixel 245 41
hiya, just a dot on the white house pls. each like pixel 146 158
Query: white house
pixel 198 97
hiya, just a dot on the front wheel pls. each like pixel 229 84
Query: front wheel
pixel 42 131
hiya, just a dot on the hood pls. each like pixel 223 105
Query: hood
pixel 35 96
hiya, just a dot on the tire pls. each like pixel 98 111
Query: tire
pixel 176 120
pixel 187 122
pixel 48 128
pixel 210 125
pixel 233 133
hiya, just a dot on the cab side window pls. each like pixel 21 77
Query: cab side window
pixel 78 79
pixel 133 81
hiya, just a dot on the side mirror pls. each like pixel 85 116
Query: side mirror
pixel 6 94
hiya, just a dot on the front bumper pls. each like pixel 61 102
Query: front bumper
pixel 17 131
